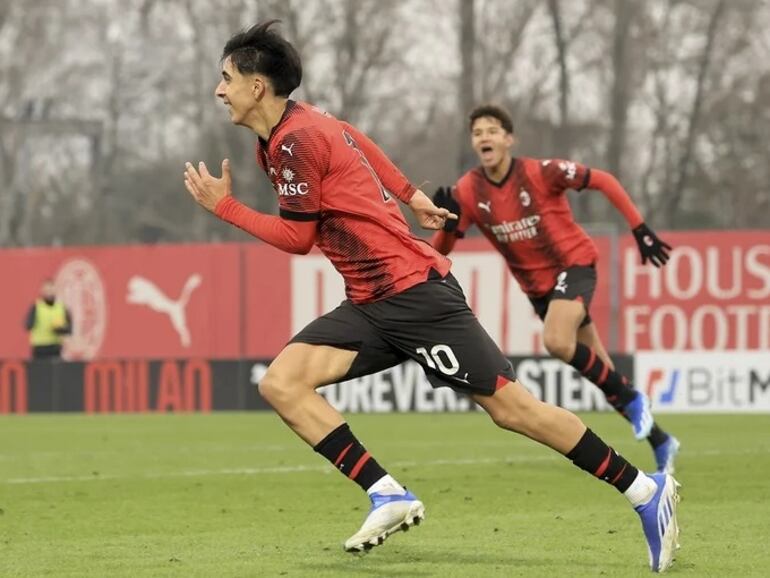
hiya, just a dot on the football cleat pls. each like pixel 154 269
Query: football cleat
pixel 389 514
pixel 659 522
pixel 665 454
pixel 639 414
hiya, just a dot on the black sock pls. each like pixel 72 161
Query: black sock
pixel 597 458
pixel 657 436
pixel 615 386
pixel 347 454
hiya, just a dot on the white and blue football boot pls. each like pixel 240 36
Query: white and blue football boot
pixel 665 454
pixel 659 522
pixel 390 512
pixel 639 414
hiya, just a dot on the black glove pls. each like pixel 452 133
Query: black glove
pixel 443 199
pixel 650 246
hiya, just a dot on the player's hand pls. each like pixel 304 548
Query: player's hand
pixel 206 189
pixel 651 248
pixel 429 216
pixel 443 198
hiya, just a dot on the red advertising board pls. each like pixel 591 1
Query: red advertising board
pixel 130 302
pixel 714 294
pixel 266 313
pixel 220 301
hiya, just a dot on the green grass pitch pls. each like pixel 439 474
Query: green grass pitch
pixel 236 494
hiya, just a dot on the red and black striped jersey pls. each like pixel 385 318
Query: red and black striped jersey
pixel 327 171
pixel 528 219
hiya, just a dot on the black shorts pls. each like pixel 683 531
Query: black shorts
pixel 575 283
pixel 429 323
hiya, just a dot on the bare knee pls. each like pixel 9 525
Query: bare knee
pixel 517 416
pixel 275 388
pixel 559 344
pixel 544 423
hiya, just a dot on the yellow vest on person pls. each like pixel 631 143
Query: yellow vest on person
pixel 47 318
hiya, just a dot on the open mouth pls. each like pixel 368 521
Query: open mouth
pixel 487 153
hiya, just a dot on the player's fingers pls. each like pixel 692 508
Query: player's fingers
pixel 452 216
pixel 655 261
pixel 433 223
pixel 666 245
pixel 192 174
pixel 195 189
pixel 204 170
pixel 190 189
pixel 226 170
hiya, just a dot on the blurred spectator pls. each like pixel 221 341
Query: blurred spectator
pixel 48 321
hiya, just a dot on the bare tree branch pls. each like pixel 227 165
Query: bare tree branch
pixel 672 200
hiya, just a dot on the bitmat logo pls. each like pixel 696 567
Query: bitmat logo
pixel 81 288
pixel 662 385
pixel 705 381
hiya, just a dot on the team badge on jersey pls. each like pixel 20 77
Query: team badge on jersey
pixel 525 198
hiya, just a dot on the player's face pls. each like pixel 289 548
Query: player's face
pixel 491 141
pixel 237 92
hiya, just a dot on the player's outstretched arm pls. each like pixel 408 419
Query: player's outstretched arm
pixel 651 248
pixel 429 216
pixel 215 195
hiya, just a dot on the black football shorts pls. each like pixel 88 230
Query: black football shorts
pixel 576 283
pixel 429 323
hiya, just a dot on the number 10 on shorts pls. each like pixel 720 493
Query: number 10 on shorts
pixel 441 357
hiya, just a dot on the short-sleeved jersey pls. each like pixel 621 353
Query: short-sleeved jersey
pixel 528 219
pixel 324 170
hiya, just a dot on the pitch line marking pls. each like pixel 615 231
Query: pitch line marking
pixel 325 468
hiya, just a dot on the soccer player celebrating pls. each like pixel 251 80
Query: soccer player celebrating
pixel 520 206
pixel 337 190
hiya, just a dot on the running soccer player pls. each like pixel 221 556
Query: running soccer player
pixel 521 207
pixel 337 190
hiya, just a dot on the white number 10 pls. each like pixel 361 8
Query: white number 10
pixel 435 360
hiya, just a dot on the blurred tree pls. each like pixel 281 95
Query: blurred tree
pixel 621 91
pixel 102 101
pixel 467 98
pixel 670 204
